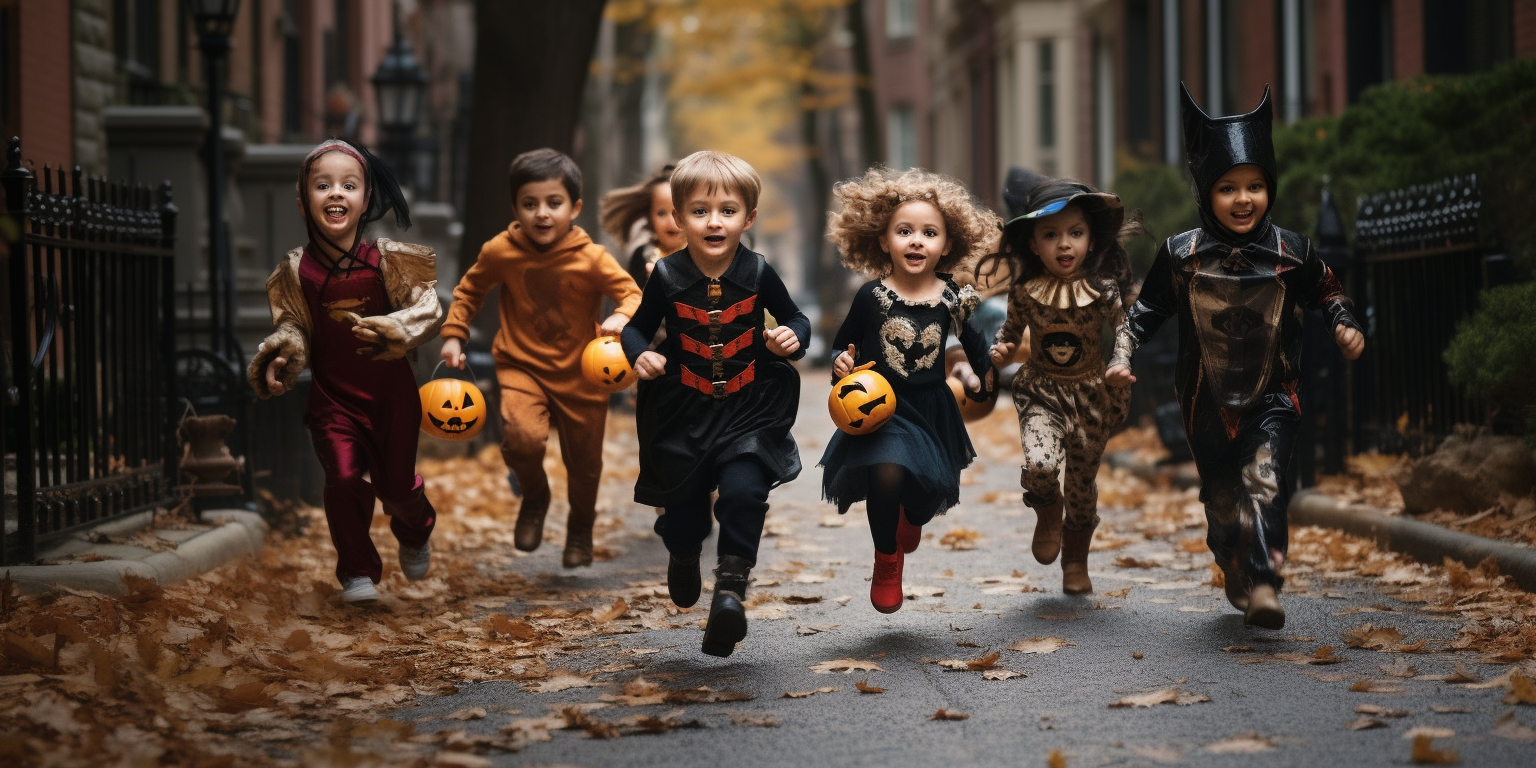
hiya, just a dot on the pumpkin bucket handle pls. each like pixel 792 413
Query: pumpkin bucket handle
pixel 467 368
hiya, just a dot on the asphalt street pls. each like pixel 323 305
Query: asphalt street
pixel 1087 669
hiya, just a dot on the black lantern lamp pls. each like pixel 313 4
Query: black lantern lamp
pixel 214 19
pixel 400 84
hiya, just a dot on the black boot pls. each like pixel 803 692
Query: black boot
pixel 683 583
pixel 727 616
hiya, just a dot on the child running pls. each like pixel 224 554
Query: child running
pixel 553 279
pixel 641 218
pixel 717 398
pixel 1068 267
pixel 906 231
pixel 1237 285
pixel 350 309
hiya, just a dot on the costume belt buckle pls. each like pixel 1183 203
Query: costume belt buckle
pixel 717 352
pixel 714 318
pixel 719 393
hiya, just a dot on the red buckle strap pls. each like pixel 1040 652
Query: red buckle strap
pixel 716 317
pixel 718 389
pixel 717 352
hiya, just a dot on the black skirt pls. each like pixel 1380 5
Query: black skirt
pixel 686 436
pixel 926 435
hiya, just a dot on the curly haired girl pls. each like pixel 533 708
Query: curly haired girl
pixel 907 231
pixel 1068 271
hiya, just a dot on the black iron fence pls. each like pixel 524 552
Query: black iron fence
pixel 89 349
pixel 1420 270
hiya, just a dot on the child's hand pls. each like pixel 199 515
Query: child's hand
pixel 1118 375
pixel 1351 342
pixel 781 341
pixel 967 376
pixel 275 386
pixel 614 324
pixel 843 365
pixel 453 353
pixel 650 364
pixel 1002 352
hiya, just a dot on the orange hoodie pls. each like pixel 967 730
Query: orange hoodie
pixel 549 299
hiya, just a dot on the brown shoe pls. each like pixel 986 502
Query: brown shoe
pixel 1232 583
pixel 1074 561
pixel 578 539
pixel 529 533
pixel 1047 542
pixel 1264 608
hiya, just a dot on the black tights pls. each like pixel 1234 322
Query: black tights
pixel 884 504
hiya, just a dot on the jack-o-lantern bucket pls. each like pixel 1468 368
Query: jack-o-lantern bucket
pixel 862 401
pixel 604 365
pixel 451 409
pixel 971 410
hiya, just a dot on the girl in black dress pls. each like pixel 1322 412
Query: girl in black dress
pixel 907 230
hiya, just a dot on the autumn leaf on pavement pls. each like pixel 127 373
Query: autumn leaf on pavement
pixel 1374 709
pixel 1126 561
pixel 1507 727
pixel 752 718
pixel 1245 744
pixel 619 608
pixel 804 694
pixel 1000 674
pixel 1371 636
pixel 959 539
pixel 1424 751
pixel 560 680
pixel 467 713
pixel 1522 690
pixel 981 662
pixel 865 687
pixel 845 666
pixel 1376 686
pixel 1364 722
pixel 1165 696
pixel 704 695
pixel 1399 668
pixel 944 714
pixel 1040 645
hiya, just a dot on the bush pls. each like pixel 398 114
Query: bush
pixel 1493 354
pixel 1166 200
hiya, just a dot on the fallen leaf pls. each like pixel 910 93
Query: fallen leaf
pixel 845 666
pixel 982 662
pixel 808 629
pixel 1165 696
pixel 1522 690
pixel 1371 636
pixel 803 694
pixel 560 680
pixel 1245 744
pixel 1399 668
pixel 1364 723
pixel 1374 709
pixel 1121 592
pixel 703 695
pixel 1056 759
pixel 1000 674
pixel 1040 645
pixel 1376 686
pixel 802 599
pixel 1449 710
pixel 865 687
pixel 467 713
pixel 1126 561
pixel 959 539
pixel 619 608
pixel 944 714
pixel 1507 727
pixel 1423 746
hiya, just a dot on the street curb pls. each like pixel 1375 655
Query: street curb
pixel 1422 541
pixel 243 533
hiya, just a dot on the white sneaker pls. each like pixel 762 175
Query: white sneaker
pixel 358 589
pixel 414 561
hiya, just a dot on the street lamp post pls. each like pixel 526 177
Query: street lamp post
pixel 213 19
pixel 399 83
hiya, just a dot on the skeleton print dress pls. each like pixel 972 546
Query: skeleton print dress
pixel 926 435
pixel 1066 411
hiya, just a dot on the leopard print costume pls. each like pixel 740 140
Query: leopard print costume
pixel 1066 411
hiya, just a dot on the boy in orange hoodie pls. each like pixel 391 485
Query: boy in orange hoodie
pixel 553 279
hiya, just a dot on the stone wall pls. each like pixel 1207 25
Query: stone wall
pixel 95 81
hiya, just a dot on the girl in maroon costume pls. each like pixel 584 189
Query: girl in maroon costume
pixel 351 310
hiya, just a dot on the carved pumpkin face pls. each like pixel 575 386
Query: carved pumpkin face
pixel 971 410
pixel 452 409
pixel 604 365
pixel 862 401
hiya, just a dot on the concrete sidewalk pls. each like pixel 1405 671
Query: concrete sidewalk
pixel 97 559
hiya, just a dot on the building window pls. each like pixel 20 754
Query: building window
pixel 900 19
pixel 136 41
pixel 1047 95
pixel 901 137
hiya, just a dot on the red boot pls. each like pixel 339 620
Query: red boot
pixel 885 587
pixel 908 536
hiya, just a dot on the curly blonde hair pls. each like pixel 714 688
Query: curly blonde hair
pixel 869 202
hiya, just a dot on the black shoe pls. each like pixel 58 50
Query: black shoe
pixel 727 623
pixel 683 582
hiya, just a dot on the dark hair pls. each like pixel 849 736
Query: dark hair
pixel 542 165
pixel 1107 259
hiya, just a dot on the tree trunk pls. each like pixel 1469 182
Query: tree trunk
pixel 531 62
